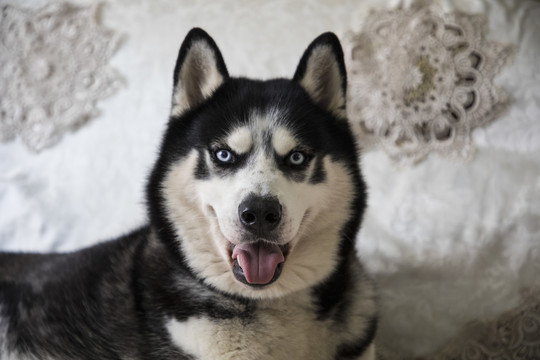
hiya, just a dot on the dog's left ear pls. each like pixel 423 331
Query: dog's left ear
pixel 199 71
pixel 321 72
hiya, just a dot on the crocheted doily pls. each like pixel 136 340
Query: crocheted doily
pixel 513 335
pixel 420 80
pixel 53 69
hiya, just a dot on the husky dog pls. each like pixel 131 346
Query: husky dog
pixel 254 204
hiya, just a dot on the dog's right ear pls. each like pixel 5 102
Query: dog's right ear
pixel 199 71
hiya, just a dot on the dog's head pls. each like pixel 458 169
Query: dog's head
pixel 257 185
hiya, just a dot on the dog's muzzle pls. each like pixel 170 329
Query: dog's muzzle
pixel 259 261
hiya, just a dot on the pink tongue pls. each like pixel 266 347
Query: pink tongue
pixel 259 261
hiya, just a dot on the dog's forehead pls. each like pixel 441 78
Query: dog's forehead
pixel 263 131
pixel 283 141
pixel 240 140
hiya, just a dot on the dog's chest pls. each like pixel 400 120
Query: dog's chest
pixel 290 331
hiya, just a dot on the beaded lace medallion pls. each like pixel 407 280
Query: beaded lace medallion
pixel 53 69
pixel 420 80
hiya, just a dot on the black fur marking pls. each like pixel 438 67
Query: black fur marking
pixel 226 169
pixel 190 297
pixel 331 295
pixel 332 292
pixel 267 141
pixel 201 171
pixel 319 174
pixel 356 349
pixel 171 289
pixel 294 173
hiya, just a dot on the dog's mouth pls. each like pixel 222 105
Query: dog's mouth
pixel 258 264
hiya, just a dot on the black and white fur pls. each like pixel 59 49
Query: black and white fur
pixel 254 204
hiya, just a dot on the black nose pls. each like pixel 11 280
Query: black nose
pixel 260 215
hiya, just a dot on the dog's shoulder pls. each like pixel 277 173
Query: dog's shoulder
pixel 53 301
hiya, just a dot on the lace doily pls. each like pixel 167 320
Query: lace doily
pixel 420 80
pixel 515 335
pixel 53 70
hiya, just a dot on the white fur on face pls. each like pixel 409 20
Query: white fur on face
pixel 240 140
pixel 205 212
pixel 283 141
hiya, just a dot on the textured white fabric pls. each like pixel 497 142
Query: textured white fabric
pixel 512 335
pixel 456 242
pixel 450 242
pixel 53 70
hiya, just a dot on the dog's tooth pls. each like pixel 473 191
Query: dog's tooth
pixel 239 262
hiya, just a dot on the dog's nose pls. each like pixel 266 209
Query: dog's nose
pixel 260 215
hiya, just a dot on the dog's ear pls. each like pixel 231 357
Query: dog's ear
pixel 199 71
pixel 321 72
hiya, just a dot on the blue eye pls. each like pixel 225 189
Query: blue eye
pixel 224 156
pixel 297 158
